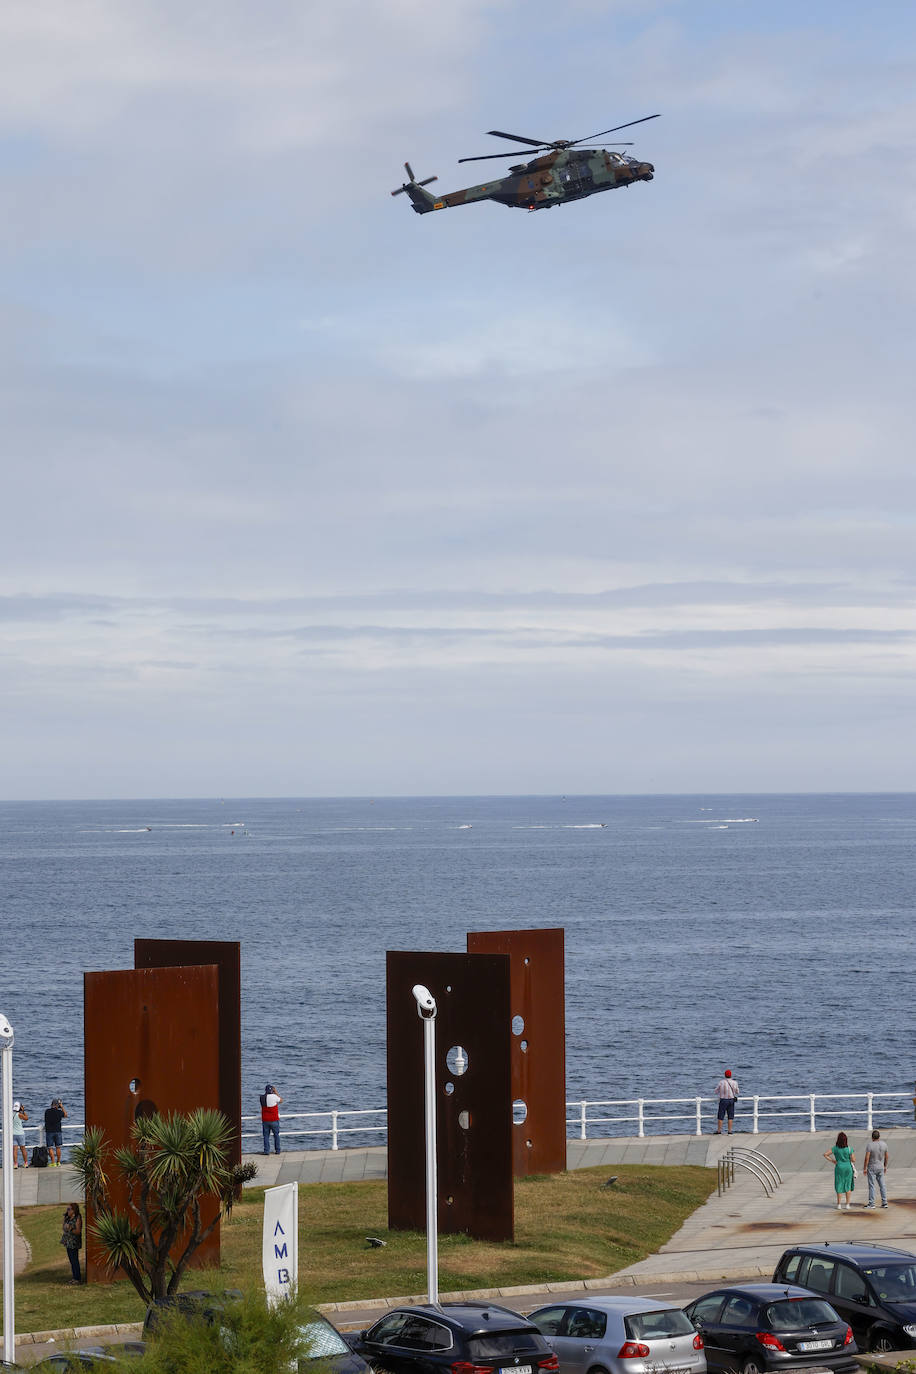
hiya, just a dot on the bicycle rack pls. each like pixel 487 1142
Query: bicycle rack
pixel 756 1163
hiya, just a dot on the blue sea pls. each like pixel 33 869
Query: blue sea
pixel 770 934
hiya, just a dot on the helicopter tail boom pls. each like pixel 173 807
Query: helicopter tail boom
pixel 422 201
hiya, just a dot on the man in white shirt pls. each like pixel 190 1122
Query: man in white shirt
pixel 727 1093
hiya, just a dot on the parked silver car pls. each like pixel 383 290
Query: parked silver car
pixel 621 1336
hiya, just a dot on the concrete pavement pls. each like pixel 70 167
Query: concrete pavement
pixel 743 1233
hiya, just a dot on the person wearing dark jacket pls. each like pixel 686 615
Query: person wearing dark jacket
pixel 72 1238
pixel 54 1116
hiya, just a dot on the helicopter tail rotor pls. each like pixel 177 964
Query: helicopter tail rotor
pixel 412 181
pixel 421 200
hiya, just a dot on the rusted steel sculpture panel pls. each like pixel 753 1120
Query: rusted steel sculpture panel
pixel 227 956
pixel 538 1043
pixel 151 1044
pixel 474 1118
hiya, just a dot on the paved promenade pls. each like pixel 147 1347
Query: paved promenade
pixel 743 1233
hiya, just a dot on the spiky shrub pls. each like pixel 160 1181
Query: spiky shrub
pixel 172 1163
pixel 248 1337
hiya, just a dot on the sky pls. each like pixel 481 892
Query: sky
pixel 305 494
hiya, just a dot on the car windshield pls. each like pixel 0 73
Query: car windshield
pixel 319 1338
pixel 797 1314
pixel 493 1347
pixel 894 1282
pixel 655 1326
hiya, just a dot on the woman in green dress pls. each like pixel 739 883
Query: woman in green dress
pixel 844 1178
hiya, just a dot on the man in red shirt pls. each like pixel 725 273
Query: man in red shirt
pixel 270 1117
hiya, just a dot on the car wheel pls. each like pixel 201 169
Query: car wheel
pixel 751 1366
pixel 881 1342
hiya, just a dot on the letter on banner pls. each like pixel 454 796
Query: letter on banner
pixel 280 1242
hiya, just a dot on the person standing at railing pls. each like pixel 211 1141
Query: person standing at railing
pixel 19 1116
pixel 727 1093
pixel 270 1117
pixel 54 1137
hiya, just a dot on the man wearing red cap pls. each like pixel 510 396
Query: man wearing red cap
pixel 727 1093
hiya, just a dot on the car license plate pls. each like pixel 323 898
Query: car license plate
pixel 516 1369
pixel 815 1345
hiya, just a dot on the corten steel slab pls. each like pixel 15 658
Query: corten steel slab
pixel 538 1055
pixel 160 1028
pixel 475 1159
pixel 227 955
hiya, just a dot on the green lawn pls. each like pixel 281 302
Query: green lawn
pixel 566 1226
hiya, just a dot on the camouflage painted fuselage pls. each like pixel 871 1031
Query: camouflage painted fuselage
pixel 553 179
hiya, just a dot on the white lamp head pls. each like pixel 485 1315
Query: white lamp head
pixel 426 1002
pixel 6 1033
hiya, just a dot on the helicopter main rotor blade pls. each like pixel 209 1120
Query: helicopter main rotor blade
pixel 520 152
pixel 602 132
pixel 485 157
pixel 519 138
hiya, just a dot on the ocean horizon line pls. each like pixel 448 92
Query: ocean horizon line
pixel 221 798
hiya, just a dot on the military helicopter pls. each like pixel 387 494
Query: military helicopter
pixel 562 172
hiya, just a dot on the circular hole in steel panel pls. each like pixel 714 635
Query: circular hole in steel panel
pixel 464 1120
pixel 519 1111
pixel 457 1060
pixel 523 1046
pixel 518 1025
pixel 449 1089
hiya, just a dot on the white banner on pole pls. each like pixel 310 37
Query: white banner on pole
pixel 280 1242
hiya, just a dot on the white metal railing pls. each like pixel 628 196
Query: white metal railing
pixel 333 1128
pixel 779 1117
pixel 589 1118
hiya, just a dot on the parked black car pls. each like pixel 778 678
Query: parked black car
pixel 194 1302
pixel 872 1286
pixel 88 1357
pixel 755 1327
pixel 461 1338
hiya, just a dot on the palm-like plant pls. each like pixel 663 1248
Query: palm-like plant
pixel 171 1165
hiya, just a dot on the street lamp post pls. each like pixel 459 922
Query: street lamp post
pixel 426 1009
pixel 6 1108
